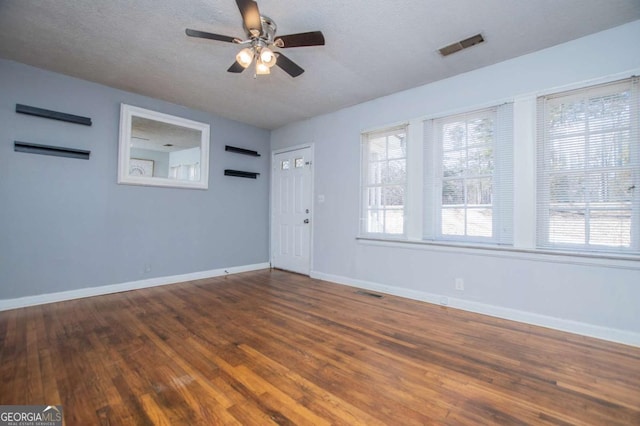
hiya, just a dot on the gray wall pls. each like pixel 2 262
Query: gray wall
pixel 66 224
pixel 598 292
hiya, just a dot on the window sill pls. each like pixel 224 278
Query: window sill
pixel 576 258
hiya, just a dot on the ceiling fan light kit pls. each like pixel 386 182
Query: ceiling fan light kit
pixel 261 41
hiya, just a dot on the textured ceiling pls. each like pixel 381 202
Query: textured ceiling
pixel 373 47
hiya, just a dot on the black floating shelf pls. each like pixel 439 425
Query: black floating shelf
pixel 238 173
pixel 32 148
pixel 54 115
pixel 241 150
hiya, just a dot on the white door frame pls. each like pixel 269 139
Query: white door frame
pixel 313 201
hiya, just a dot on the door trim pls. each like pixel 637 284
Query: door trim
pixel 313 198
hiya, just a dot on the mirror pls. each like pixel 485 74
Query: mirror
pixel 162 150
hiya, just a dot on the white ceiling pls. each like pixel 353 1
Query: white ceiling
pixel 373 47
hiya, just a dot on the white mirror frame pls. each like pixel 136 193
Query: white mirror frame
pixel 126 114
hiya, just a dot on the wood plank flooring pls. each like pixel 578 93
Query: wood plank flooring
pixel 271 347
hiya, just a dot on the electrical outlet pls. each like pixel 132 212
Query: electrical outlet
pixel 459 284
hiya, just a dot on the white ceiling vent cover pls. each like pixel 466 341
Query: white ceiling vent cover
pixel 462 44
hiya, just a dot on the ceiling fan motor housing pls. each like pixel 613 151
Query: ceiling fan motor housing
pixel 268 29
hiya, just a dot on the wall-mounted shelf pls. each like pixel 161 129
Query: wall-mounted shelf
pixel 32 148
pixel 238 173
pixel 54 115
pixel 241 151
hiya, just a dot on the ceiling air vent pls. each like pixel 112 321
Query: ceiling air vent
pixel 462 44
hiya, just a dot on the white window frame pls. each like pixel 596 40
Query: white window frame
pixel 524 198
pixel 366 186
pixel 543 204
pixel 501 177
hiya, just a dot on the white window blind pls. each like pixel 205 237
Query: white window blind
pixel 588 169
pixel 384 181
pixel 469 177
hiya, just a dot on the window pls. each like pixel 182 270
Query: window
pixel 384 181
pixel 589 169
pixel 468 177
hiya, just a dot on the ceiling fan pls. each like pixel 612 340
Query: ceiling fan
pixel 261 39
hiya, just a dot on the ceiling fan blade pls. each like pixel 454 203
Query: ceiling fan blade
pixel 288 65
pixel 236 68
pixel 313 38
pixel 250 16
pixel 210 36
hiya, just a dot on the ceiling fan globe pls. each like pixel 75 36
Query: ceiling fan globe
pixel 262 68
pixel 267 57
pixel 245 57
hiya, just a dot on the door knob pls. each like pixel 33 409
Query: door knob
pixel 306 221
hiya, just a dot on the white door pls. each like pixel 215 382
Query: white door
pixel 291 211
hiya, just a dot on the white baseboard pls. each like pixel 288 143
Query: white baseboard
pixel 584 329
pixel 41 299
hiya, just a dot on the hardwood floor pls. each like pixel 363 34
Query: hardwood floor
pixel 271 347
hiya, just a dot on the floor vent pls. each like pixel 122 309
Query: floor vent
pixel 462 44
pixel 366 293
